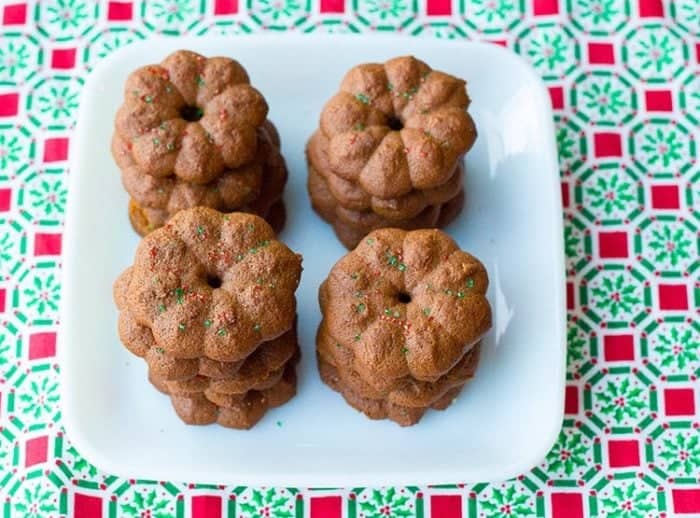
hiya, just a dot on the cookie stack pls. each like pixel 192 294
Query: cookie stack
pixel 192 131
pixel 209 305
pixel 403 317
pixel 389 150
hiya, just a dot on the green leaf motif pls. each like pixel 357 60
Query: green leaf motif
pixel 620 402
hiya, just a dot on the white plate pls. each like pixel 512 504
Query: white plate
pixel 504 421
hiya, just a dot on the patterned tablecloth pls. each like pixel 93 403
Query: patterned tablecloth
pixel 624 79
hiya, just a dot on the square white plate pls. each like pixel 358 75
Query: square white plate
pixel 504 421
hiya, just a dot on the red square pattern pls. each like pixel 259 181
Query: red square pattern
pixel 5 199
pixel 544 7
pixel 686 501
pixel 3 294
pixel 63 59
pixel 117 11
pixel 55 149
pixel 446 506
pixel 206 506
pixel 438 7
pixel 601 54
pixel 9 104
pixel 565 194
pixel 658 100
pixel 47 244
pixel 607 144
pixel 697 52
pixel 87 506
pixel 665 197
pixel 42 345
pixel 326 507
pixel 618 348
pixel 679 401
pixel 612 245
pixel 556 94
pixel 36 451
pixel 623 453
pixel 651 8
pixel 225 7
pixel 673 297
pixel 567 505
pixel 571 400
pixel 15 14
pixel 570 296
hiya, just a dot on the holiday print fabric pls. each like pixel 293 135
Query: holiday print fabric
pixel 624 80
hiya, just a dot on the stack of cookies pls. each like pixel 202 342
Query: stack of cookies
pixel 389 150
pixel 192 131
pixel 209 305
pixel 403 317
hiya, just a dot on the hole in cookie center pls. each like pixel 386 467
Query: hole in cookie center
pixel 404 298
pixel 213 281
pixel 394 123
pixel 191 113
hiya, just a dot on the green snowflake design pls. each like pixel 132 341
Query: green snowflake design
pixel 678 348
pixel 112 42
pixel 266 504
pixel 385 8
pixel 670 245
pixel 605 98
pixel 385 505
pixel 682 453
pixel 655 53
pixel 620 400
pixel 565 143
pixel 630 502
pixel 147 504
pixel 172 10
pixel 568 453
pixel 571 242
pixel 41 398
pixel 13 59
pixel 492 10
pixel 49 197
pixel 10 149
pixel 548 51
pixel 80 465
pixel 6 245
pixel 35 503
pixel 576 344
pixel 58 102
pixel 688 11
pixel 506 504
pixel 277 9
pixel 43 294
pixel 598 11
pixel 662 147
pixel 610 194
pixel 615 295
pixel 67 14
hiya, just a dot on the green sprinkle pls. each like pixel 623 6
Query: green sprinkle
pixel 180 294
pixel 148 99
pixel 362 98
pixel 426 311
pixel 397 314
pixel 338 345
pixel 361 307
pixel 354 276
pixel 448 292
pixel 257 328
pixel 358 294
pixel 170 146
pixel 387 311
pixel 460 294
pixel 357 337
pixel 201 230
pixel 222 332
pixel 264 243
pixel 163 125
pixel 359 126
pixel 470 282
pixel 425 74
pixel 227 218
pixel 161 308
pixel 160 350
pixel 259 281
pixel 402 267
pixel 239 257
pixel 168 89
pixel 253 250
pixel 181 327
pixel 404 350
pixel 200 81
pixel 156 141
pixel 370 241
pixel 389 87
pixel 135 92
pixel 251 227
pixel 207 323
pixel 156 280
